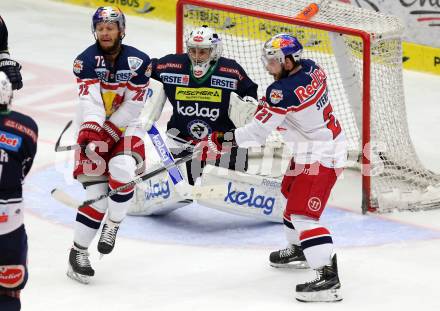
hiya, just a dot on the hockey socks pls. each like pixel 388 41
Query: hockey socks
pixel 89 218
pixel 317 245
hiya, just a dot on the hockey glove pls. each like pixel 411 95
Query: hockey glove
pixel 89 132
pixel 110 134
pixel 12 70
pixel 215 145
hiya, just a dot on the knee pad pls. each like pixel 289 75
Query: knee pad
pixel 122 168
pixel 95 190
pixel 302 223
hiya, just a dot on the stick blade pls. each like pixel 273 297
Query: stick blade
pixel 64 198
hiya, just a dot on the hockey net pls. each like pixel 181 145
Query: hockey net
pixel 361 52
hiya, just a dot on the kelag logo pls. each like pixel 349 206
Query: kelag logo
pixel 250 199
pixel 157 190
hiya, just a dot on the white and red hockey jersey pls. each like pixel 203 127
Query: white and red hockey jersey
pixel 299 108
pixel 110 93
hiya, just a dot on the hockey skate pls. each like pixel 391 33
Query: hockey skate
pixel 108 237
pixel 79 265
pixel 290 257
pixel 325 288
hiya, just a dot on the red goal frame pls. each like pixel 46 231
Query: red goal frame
pixel 366 39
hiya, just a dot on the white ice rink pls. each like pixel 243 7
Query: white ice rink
pixel 197 258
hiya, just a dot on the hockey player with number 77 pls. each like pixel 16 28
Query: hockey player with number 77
pixel 298 106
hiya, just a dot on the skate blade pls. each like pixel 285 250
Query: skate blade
pixel 329 295
pixel 291 265
pixel 83 279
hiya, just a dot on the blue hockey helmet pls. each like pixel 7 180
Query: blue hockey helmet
pixel 280 46
pixel 109 14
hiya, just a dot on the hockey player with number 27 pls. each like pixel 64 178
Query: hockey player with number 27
pixel 112 84
pixel 298 106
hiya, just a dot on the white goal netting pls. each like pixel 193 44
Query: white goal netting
pixel 398 179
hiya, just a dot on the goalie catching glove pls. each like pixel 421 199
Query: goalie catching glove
pixel 215 145
pixel 242 110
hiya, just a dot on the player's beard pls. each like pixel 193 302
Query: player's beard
pixel 113 49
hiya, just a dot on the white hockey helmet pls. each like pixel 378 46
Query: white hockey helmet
pixel 204 38
pixel 5 90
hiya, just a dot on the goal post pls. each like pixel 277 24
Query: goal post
pixel 361 53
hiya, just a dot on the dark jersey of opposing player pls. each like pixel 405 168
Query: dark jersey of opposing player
pixel 200 106
pixel 18 145
pixel 3 36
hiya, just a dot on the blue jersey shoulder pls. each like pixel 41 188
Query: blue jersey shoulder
pixel 294 90
pixel 17 128
pixel 25 120
pixel 171 63
pixel 91 62
pixel 85 63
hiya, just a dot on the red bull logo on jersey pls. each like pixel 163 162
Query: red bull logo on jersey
pixel 276 96
pixel 77 66
pixel 304 93
pixel 9 141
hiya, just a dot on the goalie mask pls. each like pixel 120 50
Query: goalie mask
pixel 109 14
pixel 204 48
pixel 280 46
pixel 5 90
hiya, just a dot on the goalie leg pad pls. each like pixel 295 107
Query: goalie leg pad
pixel 243 194
pixel 158 196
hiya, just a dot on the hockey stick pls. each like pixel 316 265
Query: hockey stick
pixel 186 145
pixel 63 197
pixel 59 148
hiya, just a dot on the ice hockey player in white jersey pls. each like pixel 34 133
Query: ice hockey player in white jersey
pixel 112 85
pixel 298 107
